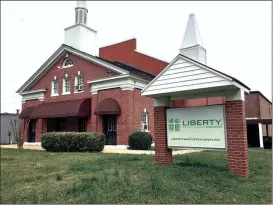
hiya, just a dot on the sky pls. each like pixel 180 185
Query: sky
pixel 236 35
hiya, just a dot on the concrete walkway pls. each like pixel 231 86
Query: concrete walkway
pixel 107 149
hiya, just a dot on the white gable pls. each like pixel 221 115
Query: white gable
pixel 183 74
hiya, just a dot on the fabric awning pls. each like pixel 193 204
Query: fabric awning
pixel 26 113
pixel 79 108
pixel 107 106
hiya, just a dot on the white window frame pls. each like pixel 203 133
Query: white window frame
pixel 144 122
pixel 52 88
pixel 67 59
pixel 76 84
pixel 64 86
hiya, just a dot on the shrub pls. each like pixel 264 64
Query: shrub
pixel 140 140
pixel 73 141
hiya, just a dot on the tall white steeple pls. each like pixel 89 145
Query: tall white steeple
pixel 81 12
pixel 80 36
pixel 192 45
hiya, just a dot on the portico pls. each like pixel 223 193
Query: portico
pixel 188 77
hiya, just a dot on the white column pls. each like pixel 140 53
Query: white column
pixel 261 135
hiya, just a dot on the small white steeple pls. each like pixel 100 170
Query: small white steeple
pixel 81 12
pixel 192 45
pixel 80 36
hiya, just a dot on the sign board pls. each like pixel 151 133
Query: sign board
pixel 197 127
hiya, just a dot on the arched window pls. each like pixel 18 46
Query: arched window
pixel 67 63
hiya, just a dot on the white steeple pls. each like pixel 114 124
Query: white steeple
pixel 80 36
pixel 81 12
pixel 192 45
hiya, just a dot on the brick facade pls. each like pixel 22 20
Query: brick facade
pixel 125 52
pixel 237 146
pixel 130 101
pixel 163 155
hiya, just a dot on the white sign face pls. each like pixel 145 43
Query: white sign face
pixel 196 127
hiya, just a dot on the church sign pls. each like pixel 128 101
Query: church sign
pixel 196 127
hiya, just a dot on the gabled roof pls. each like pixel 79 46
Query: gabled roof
pixel 234 79
pixel 57 55
pixel 185 74
pixel 116 66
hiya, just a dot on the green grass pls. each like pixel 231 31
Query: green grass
pixel 29 176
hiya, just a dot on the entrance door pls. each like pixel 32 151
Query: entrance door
pixel 31 131
pixel 110 129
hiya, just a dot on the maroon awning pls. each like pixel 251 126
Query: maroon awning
pixel 107 106
pixel 79 108
pixel 26 113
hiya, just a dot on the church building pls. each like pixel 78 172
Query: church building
pixel 84 88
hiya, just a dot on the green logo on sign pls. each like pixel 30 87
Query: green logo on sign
pixel 174 125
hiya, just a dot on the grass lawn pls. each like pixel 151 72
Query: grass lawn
pixel 29 176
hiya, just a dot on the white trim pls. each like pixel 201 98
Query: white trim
pixel 33 95
pixel 125 82
pixel 261 140
pixel 197 64
pixel 64 92
pixel 80 24
pixel 57 55
pixel 33 91
pixel 52 88
pixel 251 118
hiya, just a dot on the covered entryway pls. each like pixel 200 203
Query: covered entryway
pixel 185 78
pixel 109 109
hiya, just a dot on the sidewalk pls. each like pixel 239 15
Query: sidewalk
pixel 107 149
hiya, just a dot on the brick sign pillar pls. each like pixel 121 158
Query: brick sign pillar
pixel 163 155
pixel 237 146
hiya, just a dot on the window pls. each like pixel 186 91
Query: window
pixel 77 17
pixel 67 63
pixel 55 87
pixel 85 17
pixel 144 121
pixel 78 83
pixel 82 125
pixel 81 15
pixel 66 85
pixel 62 125
pixel 112 124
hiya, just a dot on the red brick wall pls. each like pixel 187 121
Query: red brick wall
pixel 132 104
pixel 163 155
pixel 125 52
pixel 198 102
pixel 89 71
pixel 237 138
pixel 140 103
pixel 252 105
pixel 265 108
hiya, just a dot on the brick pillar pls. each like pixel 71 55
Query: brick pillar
pixel 44 124
pixel 163 155
pixel 93 127
pixel 38 130
pixel 237 147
